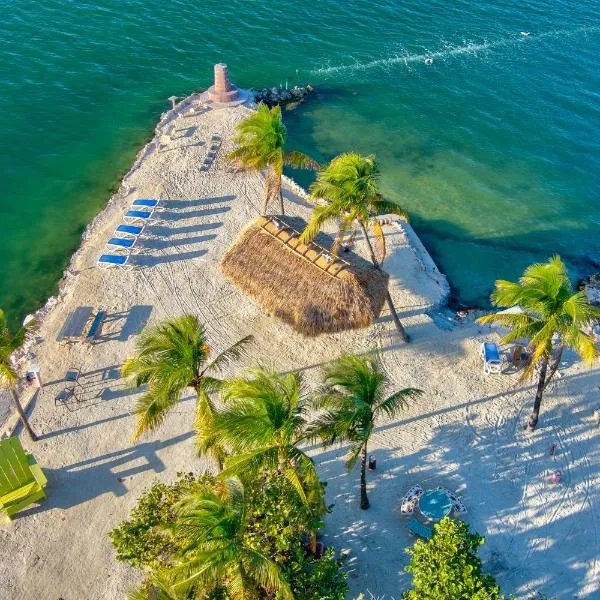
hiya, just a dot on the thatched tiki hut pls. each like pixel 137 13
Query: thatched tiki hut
pixel 303 284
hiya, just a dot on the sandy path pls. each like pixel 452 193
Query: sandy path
pixel 466 433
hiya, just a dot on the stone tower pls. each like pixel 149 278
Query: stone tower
pixel 223 90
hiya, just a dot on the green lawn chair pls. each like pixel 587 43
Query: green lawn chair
pixel 21 479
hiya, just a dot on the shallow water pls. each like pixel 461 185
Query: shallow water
pixel 492 147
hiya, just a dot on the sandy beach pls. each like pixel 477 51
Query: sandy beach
pixel 466 433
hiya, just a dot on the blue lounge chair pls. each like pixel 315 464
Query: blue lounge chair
pixel 490 353
pixel 417 528
pixel 145 203
pixel 134 230
pixel 106 261
pixel 137 215
pixel 96 327
pixel 118 243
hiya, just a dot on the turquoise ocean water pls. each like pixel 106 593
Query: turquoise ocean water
pixel 492 146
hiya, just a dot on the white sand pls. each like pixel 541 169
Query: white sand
pixel 465 434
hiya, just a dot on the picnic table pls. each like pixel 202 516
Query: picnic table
pixel 435 504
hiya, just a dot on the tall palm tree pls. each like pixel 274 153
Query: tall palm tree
pixel 8 376
pixel 551 309
pixel 170 357
pixel 211 525
pixel 260 147
pixel 349 186
pixel 263 422
pixel 354 399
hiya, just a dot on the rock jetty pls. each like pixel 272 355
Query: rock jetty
pixel 290 98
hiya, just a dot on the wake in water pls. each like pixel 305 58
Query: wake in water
pixel 450 52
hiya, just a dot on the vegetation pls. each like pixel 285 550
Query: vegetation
pixel 551 310
pixel 10 342
pixel 260 147
pixel 221 539
pixel 171 357
pixel 354 400
pixel 447 566
pixel 349 185
pixel 263 423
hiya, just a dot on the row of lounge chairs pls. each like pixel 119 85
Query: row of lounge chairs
pixel 215 144
pixel 127 234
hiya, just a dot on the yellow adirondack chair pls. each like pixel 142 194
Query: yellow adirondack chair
pixel 22 481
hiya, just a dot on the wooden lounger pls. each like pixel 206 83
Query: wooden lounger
pixel 96 327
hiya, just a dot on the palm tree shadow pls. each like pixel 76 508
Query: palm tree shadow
pixel 82 481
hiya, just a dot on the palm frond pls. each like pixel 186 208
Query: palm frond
pixel 299 160
pixel 398 401
pixel 151 410
pixel 231 354
pixel 380 206
pixel 319 216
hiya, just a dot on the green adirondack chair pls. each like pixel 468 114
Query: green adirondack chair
pixel 21 479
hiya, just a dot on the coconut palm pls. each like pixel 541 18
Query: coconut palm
pixel 260 147
pixel 354 400
pixel 170 357
pixel 8 376
pixel 551 309
pixel 211 526
pixel 349 186
pixel 262 423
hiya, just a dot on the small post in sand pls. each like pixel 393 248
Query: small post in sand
pixel 173 101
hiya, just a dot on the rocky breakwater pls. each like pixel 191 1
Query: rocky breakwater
pixel 592 289
pixel 288 97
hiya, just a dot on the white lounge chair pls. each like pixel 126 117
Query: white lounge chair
pixel 118 243
pixel 130 230
pixel 408 505
pixel 490 353
pixel 145 203
pixel 415 490
pixel 134 216
pixel 107 261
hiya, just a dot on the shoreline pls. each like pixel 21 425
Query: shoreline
pixel 117 200
pixel 122 190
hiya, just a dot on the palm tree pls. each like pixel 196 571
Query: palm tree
pixel 261 140
pixel 354 399
pixel 8 376
pixel 349 185
pixel 171 357
pixel 211 525
pixel 262 423
pixel 550 310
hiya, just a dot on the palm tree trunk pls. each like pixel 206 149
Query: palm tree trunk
pixel 265 205
pixel 554 366
pixel 22 415
pixel 533 418
pixel 364 500
pixel 388 298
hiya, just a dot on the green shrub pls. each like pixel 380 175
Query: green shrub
pixel 142 541
pixel 278 524
pixel 447 566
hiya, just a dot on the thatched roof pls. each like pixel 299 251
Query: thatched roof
pixel 303 285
